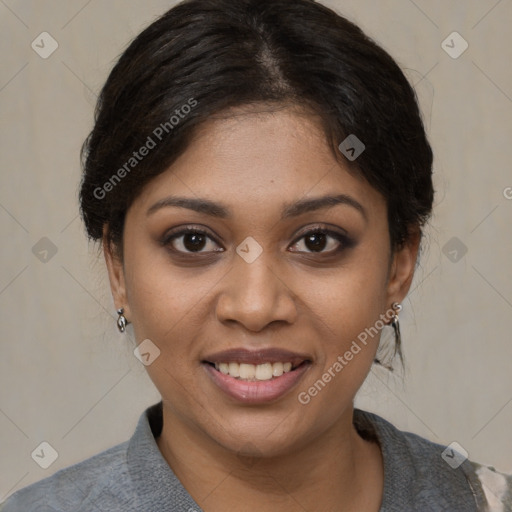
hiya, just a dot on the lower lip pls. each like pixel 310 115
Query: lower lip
pixel 256 392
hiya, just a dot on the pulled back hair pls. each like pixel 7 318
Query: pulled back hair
pixel 214 55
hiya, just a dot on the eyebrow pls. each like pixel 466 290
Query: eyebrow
pixel 300 207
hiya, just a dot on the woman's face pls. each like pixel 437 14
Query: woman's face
pixel 257 283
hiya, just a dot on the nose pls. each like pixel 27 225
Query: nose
pixel 255 295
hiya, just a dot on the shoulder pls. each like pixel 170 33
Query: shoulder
pixel 85 483
pixel 424 475
pixel 496 486
pixel 492 490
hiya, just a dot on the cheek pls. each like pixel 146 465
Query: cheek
pixel 167 307
pixel 353 298
pixel 163 300
pixel 349 308
pixel 169 302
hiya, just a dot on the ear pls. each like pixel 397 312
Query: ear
pixel 115 274
pixel 402 268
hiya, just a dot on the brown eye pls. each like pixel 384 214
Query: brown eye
pixel 194 241
pixel 190 241
pixel 320 240
pixel 316 241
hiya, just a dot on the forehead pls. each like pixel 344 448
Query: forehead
pixel 260 157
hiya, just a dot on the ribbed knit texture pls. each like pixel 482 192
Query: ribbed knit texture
pixel 134 476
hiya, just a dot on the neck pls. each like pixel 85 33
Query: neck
pixel 337 471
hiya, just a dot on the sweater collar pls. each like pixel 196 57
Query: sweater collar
pixel 405 463
pixel 149 471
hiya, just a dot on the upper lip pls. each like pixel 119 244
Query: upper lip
pixel 260 356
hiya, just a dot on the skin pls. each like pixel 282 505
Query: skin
pixel 281 455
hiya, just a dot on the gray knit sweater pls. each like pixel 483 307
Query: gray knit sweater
pixel 134 476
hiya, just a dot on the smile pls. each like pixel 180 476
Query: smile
pixel 256 377
pixel 251 372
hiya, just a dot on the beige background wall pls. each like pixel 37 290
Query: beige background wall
pixel 69 378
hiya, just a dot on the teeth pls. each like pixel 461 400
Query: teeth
pixel 244 371
pixel 247 371
pixel 234 369
pixel 264 371
pixel 277 369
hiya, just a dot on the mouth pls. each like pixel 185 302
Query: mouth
pixel 256 376
pixel 254 373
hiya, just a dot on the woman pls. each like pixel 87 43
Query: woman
pixel 259 177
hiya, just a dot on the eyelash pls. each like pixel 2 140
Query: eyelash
pixel 344 241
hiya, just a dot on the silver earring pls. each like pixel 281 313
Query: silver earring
pixel 396 326
pixel 121 321
pixel 394 322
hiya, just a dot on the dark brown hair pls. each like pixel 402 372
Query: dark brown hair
pixel 215 54
pixel 203 57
